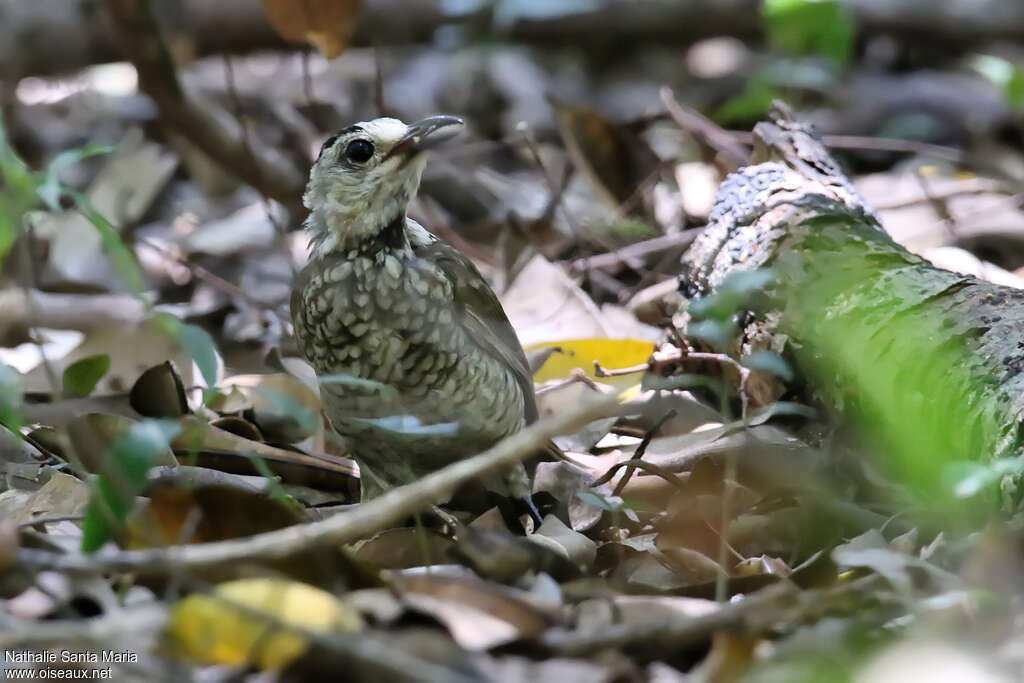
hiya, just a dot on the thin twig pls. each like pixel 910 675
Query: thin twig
pixel 246 124
pixel 207 276
pixel 29 283
pixel 630 253
pixel 50 520
pixel 206 126
pixel 721 579
pixel 601 371
pixel 707 131
pixel 660 360
pixel 307 77
pixel 577 376
pixel 641 449
pixel 636 463
pixel 378 81
pixel 938 204
pixel 859 142
pixel 962 188
pixel 556 192
pixel 725 359
pixel 752 615
pixel 84 312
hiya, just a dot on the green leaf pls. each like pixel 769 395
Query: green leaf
pixel 732 295
pixel 17 192
pixel 277 491
pixel 81 377
pixel 815 27
pixel 14 171
pixel 970 478
pixel 598 501
pixel 761 415
pixel 1015 88
pixel 652 382
pixel 122 478
pixel 717 333
pixel 198 344
pixel 751 104
pixel 10 397
pixel 119 254
pixel 73 156
pixel 51 189
pixel 8 227
pixel 385 390
pixel 1006 75
pixel 284 404
pixel 769 361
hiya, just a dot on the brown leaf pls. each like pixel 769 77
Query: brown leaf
pixel 223 450
pixel 327 25
pixel 8 543
pixel 198 505
pixel 403 547
pixel 499 555
pixel 478 615
pixel 94 435
pixel 615 159
pixel 641 609
pixel 192 504
pixel 159 392
pixel 61 495
pixel 572 545
pixel 283 408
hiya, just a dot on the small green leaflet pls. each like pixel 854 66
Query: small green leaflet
pixel 123 478
pixel 82 376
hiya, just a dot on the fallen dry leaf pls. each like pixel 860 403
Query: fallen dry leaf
pixel 327 25
pixel 479 615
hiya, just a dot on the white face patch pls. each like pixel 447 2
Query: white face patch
pixel 386 132
pixel 352 198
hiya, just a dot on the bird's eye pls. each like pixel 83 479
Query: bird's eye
pixel 359 151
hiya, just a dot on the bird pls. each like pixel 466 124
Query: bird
pixel 417 361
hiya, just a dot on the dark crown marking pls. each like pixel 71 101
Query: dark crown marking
pixel 331 140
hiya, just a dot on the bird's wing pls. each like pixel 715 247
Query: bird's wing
pixel 482 314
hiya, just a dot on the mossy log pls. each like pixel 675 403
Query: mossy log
pixel 926 361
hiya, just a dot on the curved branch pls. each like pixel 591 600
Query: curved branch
pixel 366 519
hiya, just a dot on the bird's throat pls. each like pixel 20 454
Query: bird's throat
pixel 328 238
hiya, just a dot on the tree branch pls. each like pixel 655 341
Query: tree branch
pixel 366 519
pixel 210 128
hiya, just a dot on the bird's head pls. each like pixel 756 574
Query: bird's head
pixel 366 174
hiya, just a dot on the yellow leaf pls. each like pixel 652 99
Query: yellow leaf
pixel 224 627
pixel 581 353
pixel 632 393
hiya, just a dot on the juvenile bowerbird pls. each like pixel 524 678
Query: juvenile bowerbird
pixel 418 362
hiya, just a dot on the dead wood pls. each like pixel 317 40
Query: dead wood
pixel 928 361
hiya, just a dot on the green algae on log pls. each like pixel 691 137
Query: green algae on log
pixel 926 362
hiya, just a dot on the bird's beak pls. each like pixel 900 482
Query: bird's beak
pixel 425 134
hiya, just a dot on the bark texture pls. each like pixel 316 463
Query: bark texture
pixel 928 361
